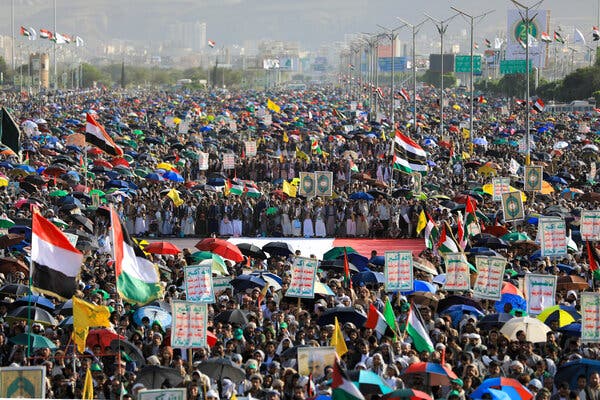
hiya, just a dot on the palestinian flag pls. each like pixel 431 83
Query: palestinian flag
pixel 342 387
pixel 351 66
pixel 409 157
pixel 353 166
pixel 416 330
pixel 472 227
pixel 596 33
pixel 56 263
pixel 446 243
pixel 25 32
pixel 545 38
pixel 593 259
pixel 460 233
pixel 539 105
pixel 384 324
pixel 558 38
pixel 488 44
pixel 138 280
pixel 379 93
pixel 96 135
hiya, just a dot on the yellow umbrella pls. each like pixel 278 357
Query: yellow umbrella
pixel 546 188
pixel 488 169
pixel 176 120
pixel 489 189
pixel 165 166
pixel 3 181
pixel 456 107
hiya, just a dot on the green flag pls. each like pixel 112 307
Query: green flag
pixel 9 131
pixel 388 314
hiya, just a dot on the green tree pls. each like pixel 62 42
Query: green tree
pixel 91 74
pixel 433 78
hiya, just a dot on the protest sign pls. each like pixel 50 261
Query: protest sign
pixel 490 272
pixel 189 324
pixel 202 161
pixel 457 272
pixel 532 180
pixel 324 183
pixel 553 236
pixel 304 272
pixel 162 394
pixel 221 283
pixel 590 225
pixel 590 317
pixel 228 161
pixel 313 360
pixel 198 284
pixel 539 292
pixel 307 184
pixel 512 206
pixel 398 271
pixel 500 185
pixel 250 148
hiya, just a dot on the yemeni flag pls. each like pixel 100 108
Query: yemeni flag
pixel 96 135
pixel 409 157
pixel 446 243
pixel 46 34
pixel 138 280
pixel 596 33
pixel 404 94
pixel 211 44
pixel 539 105
pixel 558 38
pixel 342 387
pixel 56 263
pixel 593 259
pixel 472 227
pixel 546 38
pixel 416 330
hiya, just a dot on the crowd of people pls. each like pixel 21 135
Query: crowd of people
pixel 319 129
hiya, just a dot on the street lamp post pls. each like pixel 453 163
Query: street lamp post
pixel 527 107
pixel 472 19
pixel 393 36
pixel 415 30
pixel 372 41
pixel 442 26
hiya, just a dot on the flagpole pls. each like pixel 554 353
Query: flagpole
pixel 54 51
pixel 12 32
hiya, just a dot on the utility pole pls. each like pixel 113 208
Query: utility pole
pixel 392 35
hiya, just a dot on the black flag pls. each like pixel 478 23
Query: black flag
pixel 9 131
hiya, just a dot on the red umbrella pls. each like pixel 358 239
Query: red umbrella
pixel 95 151
pixel 463 199
pixel 103 337
pixel 509 288
pixel 434 373
pixel 102 163
pixel 496 230
pixel 406 394
pixel 162 248
pixel 120 161
pixel 221 247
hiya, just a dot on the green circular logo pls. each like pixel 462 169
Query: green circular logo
pixel 520 31
pixel 533 179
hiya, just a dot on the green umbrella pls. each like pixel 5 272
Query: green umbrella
pixel 142 172
pixel 59 222
pixel 272 210
pixel 511 272
pixel 421 196
pixel 6 223
pixel 59 193
pixel 91 175
pixel 123 171
pixel 137 132
pixel 98 192
pixel 33 341
pixel 336 252
pixel 128 158
pixel 201 255
pixel 190 154
pixel 514 236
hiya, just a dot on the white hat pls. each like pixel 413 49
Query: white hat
pixel 212 393
pixel 535 383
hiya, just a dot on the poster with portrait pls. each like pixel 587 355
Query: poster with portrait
pixel 313 360
pixel 512 206
pixel 324 183
pixel 307 184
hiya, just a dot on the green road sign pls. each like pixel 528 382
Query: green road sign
pixel 463 64
pixel 514 66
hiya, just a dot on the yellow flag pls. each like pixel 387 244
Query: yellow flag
pixel 337 340
pixel 173 195
pixel 301 155
pixel 272 106
pixel 289 189
pixel 285 137
pixel 86 315
pixel 88 386
pixel 465 155
pixel 422 222
pixel 466 133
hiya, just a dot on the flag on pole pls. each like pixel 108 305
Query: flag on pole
pixel 390 317
pixel 211 44
pixel 174 196
pixel 138 280
pixel 46 34
pixel 88 386
pixel 432 233
pixel 58 38
pixel 404 94
pixel 460 233
pixel 342 387
pixel 539 105
pixel 593 259
pixel 545 37
pixel 558 38
pixel 446 243
pixel 79 41
pixel 10 133
pixel 422 222
pixel 85 316
pixel 338 341
pixel 595 33
pixel 416 330
pixel 25 32
pixel 578 37
pixel 353 166
pixel 56 263
pixel 488 44
pixel 376 321
pixel 272 106
pixel 347 279
pixel 408 155
pixel 96 135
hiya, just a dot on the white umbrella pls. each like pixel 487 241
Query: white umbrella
pixel 535 330
pixel 561 145
pixel 590 147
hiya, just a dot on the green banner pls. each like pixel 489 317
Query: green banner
pixel 463 64
pixel 514 66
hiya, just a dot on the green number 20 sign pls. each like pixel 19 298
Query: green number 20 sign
pixel 520 31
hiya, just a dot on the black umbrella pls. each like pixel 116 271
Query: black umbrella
pixel 130 349
pixel 157 377
pixel 35 179
pixel 492 243
pixel 455 299
pixel 343 314
pixel 337 264
pixel 221 368
pixel 82 220
pixel 278 249
pixel 35 314
pixel 28 187
pixel 236 316
pixel 247 281
pixel 251 250
pixel 15 289
pixel 490 321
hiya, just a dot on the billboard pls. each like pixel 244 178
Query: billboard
pixel 463 63
pixel 270 63
pixel 385 64
pixel 517 30
pixel 288 63
pixel 435 63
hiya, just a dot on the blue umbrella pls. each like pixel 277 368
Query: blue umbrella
pixel 569 372
pixel 21 230
pixel 173 176
pixel 573 329
pixel 368 277
pixel 557 180
pixel 154 177
pixel 421 286
pixel 378 260
pixel 116 183
pixel 480 141
pixel 247 281
pixel 216 181
pixel 154 314
pixel 35 300
pixel 458 310
pixel 6 164
pixel 494 320
pixel 361 196
pixel 358 260
pixel 431 163
pixel 26 168
pixel 517 302
pixel 71 200
pixel 482 251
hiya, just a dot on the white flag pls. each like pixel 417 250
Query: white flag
pixel 498 43
pixel 514 166
pixel 579 38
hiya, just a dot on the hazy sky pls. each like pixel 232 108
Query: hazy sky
pixel 310 22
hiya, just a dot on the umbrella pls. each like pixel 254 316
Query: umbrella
pixel 10 239
pixel 534 329
pixel 251 250
pixel 270 278
pixel 158 377
pixel 490 321
pixel 9 264
pixel 455 299
pixel 361 196
pixel 66 308
pixel 510 386
pixel 34 314
pixel 337 252
pixel 221 247
pixel 406 394
pixel 570 371
pixel 85 222
pixel 361 262
pixel 368 277
pixel 337 264
pixel 435 374
pixel 343 314
pixel 35 300
pixel 162 248
pixel 492 243
pixel 154 314
pixel 517 302
pixel 509 288
pixel 236 316
pixel 573 329
pixel 421 286
pixel 369 382
pixel 424 299
pixel 278 249
pixel 220 368
pixel 6 223
pixel 424 265
pixel 247 281
pixel 130 349
pixel 102 337
pixel 572 282
pixel 33 341
pixel 15 289
pixel 562 314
